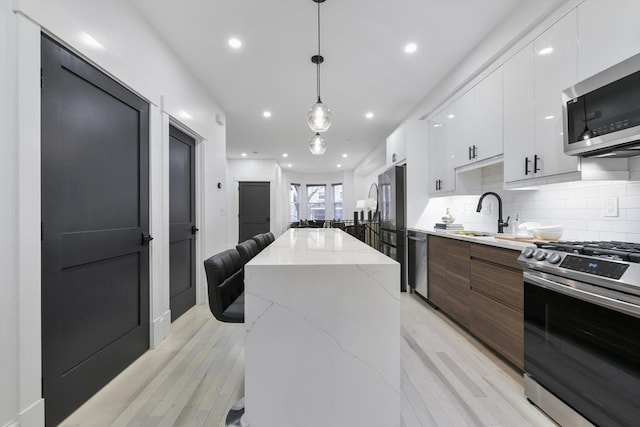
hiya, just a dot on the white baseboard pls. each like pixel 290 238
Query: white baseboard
pixel 33 416
pixel 161 328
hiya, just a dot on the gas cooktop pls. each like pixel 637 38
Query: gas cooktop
pixel 613 265
pixel 621 251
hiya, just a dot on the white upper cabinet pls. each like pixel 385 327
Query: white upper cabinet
pixel 440 161
pixel 475 122
pixel 609 32
pixel 519 112
pixel 397 146
pixel 486 133
pixel 555 69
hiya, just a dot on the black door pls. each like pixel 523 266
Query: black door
pixel 182 227
pixel 95 218
pixel 253 212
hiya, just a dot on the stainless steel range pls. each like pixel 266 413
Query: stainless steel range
pixel 582 331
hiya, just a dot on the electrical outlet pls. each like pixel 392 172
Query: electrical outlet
pixel 611 207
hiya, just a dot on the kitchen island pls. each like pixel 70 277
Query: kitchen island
pixel 322 313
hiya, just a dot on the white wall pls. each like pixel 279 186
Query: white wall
pixel 134 56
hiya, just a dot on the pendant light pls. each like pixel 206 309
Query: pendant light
pixel 586 133
pixel 318 116
pixel 318 145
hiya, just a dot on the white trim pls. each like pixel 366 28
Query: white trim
pixel 29 258
pixel 33 415
pixel 161 328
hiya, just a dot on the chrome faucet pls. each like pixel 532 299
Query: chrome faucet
pixel 501 224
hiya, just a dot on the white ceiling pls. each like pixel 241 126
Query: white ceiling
pixel 365 68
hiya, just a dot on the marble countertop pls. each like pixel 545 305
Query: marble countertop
pixel 318 246
pixel 483 240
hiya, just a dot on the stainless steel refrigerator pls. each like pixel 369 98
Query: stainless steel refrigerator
pixel 391 205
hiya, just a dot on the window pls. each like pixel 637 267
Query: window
pixel 337 201
pixel 315 201
pixel 294 202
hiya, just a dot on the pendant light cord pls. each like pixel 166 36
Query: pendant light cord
pixel 318 64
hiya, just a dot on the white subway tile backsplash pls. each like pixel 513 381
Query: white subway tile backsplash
pixel 628 202
pixel 578 206
pixel 600 225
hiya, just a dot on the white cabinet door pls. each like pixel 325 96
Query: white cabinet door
pixel 518 115
pixel 485 135
pixel 396 146
pixel 457 120
pixel 440 167
pixel 608 32
pixel 556 68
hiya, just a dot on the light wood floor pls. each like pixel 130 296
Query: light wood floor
pixel 196 375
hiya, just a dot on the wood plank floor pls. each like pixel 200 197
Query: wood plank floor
pixel 196 375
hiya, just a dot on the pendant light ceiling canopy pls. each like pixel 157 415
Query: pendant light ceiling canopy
pixel 318 116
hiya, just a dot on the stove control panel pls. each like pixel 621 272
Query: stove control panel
pixel 591 265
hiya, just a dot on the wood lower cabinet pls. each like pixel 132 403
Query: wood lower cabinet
pixel 480 287
pixel 449 276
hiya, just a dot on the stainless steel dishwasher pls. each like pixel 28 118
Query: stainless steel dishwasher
pixel 417 262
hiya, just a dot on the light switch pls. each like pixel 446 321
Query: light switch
pixel 611 207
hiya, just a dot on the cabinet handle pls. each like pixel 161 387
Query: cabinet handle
pixel 535 163
pixel 475 151
pixel 470 155
pixel 526 165
pixel 436 185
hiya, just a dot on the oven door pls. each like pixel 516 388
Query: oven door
pixel 583 347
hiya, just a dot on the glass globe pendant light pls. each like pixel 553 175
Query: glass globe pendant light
pixel 318 145
pixel 318 116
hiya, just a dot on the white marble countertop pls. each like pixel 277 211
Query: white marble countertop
pixel 483 240
pixel 318 246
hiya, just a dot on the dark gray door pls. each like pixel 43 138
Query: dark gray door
pixel 182 227
pixel 253 212
pixel 95 225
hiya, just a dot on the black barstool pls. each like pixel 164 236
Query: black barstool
pixel 226 301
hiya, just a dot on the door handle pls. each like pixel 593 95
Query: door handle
pixel 194 230
pixel 146 238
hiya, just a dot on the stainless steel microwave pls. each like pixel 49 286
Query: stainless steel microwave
pixel 601 114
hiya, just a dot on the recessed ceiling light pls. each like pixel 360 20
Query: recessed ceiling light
pixel 549 117
pixel 339 165
pixel 289 165
pixel 244 154
pixel 545 51
pixel 266 113
pixel 285 155
pixel 451 116
pixel 344 155
pixel 235 43
pixel 369 115
pixel 184 115
pixel 437 125
pixel 410 48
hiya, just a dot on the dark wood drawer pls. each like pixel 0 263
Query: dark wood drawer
pixel 498 326
pixel 502 256
pixel 503 284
